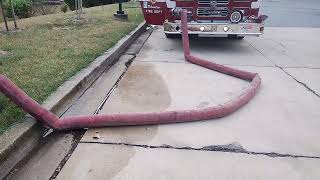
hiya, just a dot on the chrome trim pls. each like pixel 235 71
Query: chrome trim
pixel 206 33
pixel 206 7
pixel 201 12
pixel 207 2
pixel 216 28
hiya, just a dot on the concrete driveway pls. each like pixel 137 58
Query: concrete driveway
pixel 292 13
pixel 275 136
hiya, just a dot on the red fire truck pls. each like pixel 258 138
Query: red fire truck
pixel 230 18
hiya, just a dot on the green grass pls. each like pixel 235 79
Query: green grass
pixel 50 49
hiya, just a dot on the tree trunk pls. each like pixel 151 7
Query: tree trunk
pixel 4 16
pixel 14 16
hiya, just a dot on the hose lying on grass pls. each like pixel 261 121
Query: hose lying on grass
pixel 20 98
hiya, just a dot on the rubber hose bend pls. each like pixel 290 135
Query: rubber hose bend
pixel 49 119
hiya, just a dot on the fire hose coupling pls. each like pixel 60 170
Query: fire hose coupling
pixel 176 11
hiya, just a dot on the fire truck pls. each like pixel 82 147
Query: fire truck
pixel 227 18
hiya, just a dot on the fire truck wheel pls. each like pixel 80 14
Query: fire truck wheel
pixel 193 36
pixel 173 36
pixel 235 37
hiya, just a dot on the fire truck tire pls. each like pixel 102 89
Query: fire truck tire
pixel 173 36
pixel 236 37
pixel 193 36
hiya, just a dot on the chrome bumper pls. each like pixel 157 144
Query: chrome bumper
pixel 241 29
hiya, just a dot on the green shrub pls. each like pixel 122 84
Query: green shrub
pixel 21 8
pixel 64 8
pixel 71 4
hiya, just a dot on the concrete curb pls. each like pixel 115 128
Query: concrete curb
pixel 17 142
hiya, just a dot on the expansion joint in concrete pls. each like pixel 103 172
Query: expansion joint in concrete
pixel 303 67
pixel 229 148
pixel 76 139
pixel 127 64
pixel 300 82
pixel 282 69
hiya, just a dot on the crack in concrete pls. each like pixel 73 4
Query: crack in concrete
pixel 78 134
pixel 228 148
pixel 291 58
pixel 283 70
pixel 127 64
pixel 278 42
pixel 262 54
pixel 300 82
pixel 297 67
pixel 185 62
pixel 48 130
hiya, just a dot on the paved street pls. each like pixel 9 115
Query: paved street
pixel 280 123
pixel 292 13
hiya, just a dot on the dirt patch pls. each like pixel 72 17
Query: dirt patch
pixel 61 28
pixel 4 53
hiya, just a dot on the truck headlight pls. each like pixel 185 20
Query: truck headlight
pixel 236 17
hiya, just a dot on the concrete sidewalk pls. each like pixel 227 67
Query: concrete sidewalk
pixel 275 136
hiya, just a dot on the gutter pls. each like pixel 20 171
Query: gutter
pixel 22 138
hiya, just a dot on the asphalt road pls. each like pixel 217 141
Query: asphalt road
pixel 292 13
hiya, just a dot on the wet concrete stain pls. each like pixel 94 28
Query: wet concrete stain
pixel 118 159
pixel 203 104
pixel 144 52
pixel 144 90
pixel 90 166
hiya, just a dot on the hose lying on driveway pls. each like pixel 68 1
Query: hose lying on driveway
pixel 49 119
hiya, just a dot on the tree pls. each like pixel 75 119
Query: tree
pixel 4 16
pixel 78 4
pixel 13 15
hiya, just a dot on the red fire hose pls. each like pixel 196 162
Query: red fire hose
pixel 49 119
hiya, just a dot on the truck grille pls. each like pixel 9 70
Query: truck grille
pixel 220 8
pixel 219 2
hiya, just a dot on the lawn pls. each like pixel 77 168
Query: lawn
pixel 50 49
